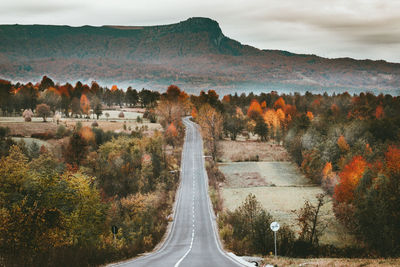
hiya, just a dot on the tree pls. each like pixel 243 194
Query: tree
pixel 75 106
pixel 171 135
pixel 132 96
pixel 27 115
pixel 97 107
pixel 43 111
pixel 210 122
pixel 261 129
pixel 51 97
pixel 234 125
pixel 342 143
pixel 310 222
pixel 255 110
pixel 85 105
pixel 349 178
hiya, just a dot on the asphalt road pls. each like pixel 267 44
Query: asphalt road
pixel 192 240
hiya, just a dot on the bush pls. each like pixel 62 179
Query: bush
pixel 95 124
pixel 43 136
pixel 121 115
pixel 61 131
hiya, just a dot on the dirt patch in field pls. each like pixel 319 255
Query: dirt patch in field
pixel 251 150
pixel 245 179
pixel 266 173
pixel 28 128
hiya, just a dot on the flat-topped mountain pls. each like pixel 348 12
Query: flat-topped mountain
pixel 194 54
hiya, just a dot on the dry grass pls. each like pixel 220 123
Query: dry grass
pixel 29 128
pixel 279 186
pixel 234 151
pixel 19 127
pixel 331 262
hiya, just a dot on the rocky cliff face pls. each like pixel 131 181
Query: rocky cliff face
pixel 193 53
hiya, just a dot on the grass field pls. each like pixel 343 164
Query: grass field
pixel 245 150
pixel 279 186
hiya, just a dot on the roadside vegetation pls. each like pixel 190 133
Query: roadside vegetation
pixel 60 207
pixel 347 144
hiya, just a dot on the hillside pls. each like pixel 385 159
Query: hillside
pixel 194 54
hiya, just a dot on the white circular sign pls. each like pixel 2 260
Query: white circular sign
pixel 274 226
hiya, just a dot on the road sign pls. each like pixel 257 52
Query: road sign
pixel 274 226
pixel 114 229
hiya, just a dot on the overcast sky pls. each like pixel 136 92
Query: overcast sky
pixel 330 28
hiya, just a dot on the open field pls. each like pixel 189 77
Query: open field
pixel 331 262
pixel 242 150
pixel 279 186
pixel 242 174
pixel 22 130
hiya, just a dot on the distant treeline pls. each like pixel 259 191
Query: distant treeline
pixel 69 99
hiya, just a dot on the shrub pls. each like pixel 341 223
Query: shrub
pixel 43 136
pixel 121 115
pixel 61 131
pixel 95 124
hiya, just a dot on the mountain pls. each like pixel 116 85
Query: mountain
pixel 193 54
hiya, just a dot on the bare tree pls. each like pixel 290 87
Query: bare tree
pixel 210 122
pixel 310 222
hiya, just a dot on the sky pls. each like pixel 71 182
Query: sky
pixel 361 29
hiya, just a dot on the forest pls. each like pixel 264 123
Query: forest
pixel 349 144
pixel 61 209
pixel 52 208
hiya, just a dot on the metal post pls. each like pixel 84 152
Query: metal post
pixel 275 242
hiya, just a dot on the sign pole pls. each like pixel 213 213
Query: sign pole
pixel 275 242
pixel 275 227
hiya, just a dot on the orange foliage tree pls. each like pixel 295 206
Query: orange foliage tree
pixel 280 103
pixel 171 134
pixel 310 115
pixel 85 105
pixel 255 110
pixel 342 143
pixel 392 157
pixel 349 178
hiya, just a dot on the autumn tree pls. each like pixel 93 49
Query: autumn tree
pixel 310 222
pixel 280 103
pixel 85 105
pixel 349 178
pixel 210 122
pixel 343 145
pixel 43 111
pixel 255 110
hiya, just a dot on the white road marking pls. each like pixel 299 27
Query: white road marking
pixel 193 212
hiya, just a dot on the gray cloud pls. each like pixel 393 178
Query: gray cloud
pixel 331 28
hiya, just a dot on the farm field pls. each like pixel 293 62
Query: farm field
pixel 250 150
pixel 22 131
pixel 280 188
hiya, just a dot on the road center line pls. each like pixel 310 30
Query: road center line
pixel 193 213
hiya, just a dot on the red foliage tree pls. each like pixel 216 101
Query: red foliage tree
pixel 349 178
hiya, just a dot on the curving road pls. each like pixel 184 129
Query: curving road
pixel 192 240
